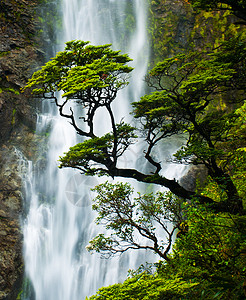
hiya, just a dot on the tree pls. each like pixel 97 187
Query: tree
pixel 207 262
pixel 212 252
pixel 143 222
pixel 89 75
pixel 237 7
pixel 187 88
pixel 181 105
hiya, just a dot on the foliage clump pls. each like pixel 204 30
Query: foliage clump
pixel 208 262
pixel 141 222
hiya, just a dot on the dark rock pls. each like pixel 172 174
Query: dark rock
pixel 194 178
pixel 11 263
pixel 18 60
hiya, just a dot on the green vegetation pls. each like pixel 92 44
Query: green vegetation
pixel 147 286
pixel 4 53
pixel 13 117
pixel 188 87
pixel 180 28
pixel 9 90
pixel 208 262
pixel 133 220
pixel 199 94
pixel 237 7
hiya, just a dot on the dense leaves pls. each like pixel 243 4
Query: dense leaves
pixel 85 74
pixel 92 155
pixel 81 68
pixel 237 7
pixel 142 222
pixel 213 252
pixel 208 262
pixel 188 91
pixel 146 286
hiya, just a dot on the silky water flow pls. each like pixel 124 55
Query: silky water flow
pixel 59 221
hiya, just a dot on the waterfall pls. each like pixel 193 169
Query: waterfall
pixel 59 222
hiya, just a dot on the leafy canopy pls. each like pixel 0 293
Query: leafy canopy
pixel 237 7
pixel 188 89
pixel 207 262
pixel 146 286
pixel 80 69
pixel 141 222
pixel 85 74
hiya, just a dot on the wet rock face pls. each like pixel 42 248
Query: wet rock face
pixel 18 60
pixel 172 24
pixel 11 264
pixel 176 27
pixel 194 178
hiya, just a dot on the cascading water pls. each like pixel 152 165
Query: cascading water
pixel 59 223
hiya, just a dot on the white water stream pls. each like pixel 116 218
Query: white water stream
pixel 59 223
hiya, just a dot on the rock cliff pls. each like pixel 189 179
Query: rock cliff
pixel 176 27
pixel 18 59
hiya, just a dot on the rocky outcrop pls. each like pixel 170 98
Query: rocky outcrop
pixel 195 178
pixel 171 24
pixel 11 264
pixel 175 27
pixel 18 59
